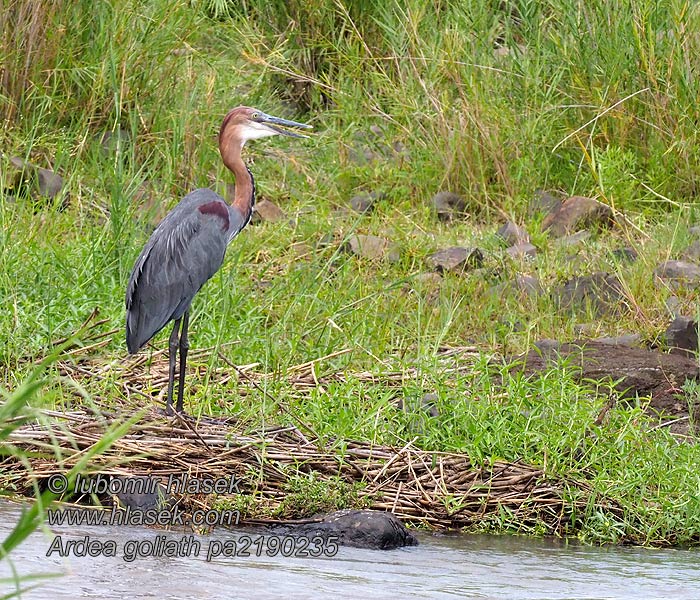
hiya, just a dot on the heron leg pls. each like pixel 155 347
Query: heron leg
pixel 171 371
pixel 184 347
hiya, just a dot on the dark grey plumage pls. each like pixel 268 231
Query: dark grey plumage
pixel 189 245
pixel 182 254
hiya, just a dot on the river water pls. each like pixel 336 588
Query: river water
pixel 443 566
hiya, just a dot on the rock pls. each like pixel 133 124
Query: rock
pixel 449 205
pixel 635 371
pixel 513 234
pixel 673 304
pixel 692 252
pixel 457 259
pixel 432 280
pixel 601 291
pixel 682 336
pixel 575 213
pixel 543 202
pixel 369 529
pixel 301 250
pixel 521 250
pixel 626 254
pixel 267 211
pixel 586 329
pixel 364 201
pixel 677 272
pixel 428 404
pixel 373 248
pixel 28 175
pixel 522 285
pixel 629 340
pixel 694 230
pixel 574 239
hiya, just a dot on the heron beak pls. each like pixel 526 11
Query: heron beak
pixel 276 124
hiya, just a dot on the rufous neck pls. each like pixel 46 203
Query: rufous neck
pixel 244 196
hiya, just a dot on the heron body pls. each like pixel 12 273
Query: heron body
pixel 189 246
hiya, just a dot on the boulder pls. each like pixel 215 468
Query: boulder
pixel 456 259
pixel 603 292
pixel 522 250
pixel 682 336
pixel 364 201
pixel 28 175
pixel 373 248
pixel 543 202
pixel 512 234
pixel 575 213
pixel 679 272
pixel 692 252
pixel 267 211
pixel 448 205
pixel 626 254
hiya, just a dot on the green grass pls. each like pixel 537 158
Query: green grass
pixel 611 113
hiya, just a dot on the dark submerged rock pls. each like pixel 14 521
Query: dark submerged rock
pixel 682 336
pixel 457 259
pixel 369 529
pixel 449 205
pixel 575 213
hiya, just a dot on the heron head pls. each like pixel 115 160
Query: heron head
pixel 245 123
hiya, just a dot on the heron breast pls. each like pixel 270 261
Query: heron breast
pixel 218 209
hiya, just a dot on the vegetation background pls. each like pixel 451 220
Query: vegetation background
pixel 489 99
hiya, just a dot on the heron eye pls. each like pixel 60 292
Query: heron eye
pixel 255 116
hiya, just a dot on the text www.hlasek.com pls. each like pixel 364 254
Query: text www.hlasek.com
pixel 126 516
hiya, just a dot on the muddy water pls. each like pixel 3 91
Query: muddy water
pixel 441 567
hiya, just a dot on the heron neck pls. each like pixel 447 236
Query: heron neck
pixel 244 196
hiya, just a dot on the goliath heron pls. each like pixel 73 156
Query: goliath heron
pixel 188 245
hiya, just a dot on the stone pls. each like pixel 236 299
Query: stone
pixel 457 259
pixel 626 254
pixel 634 371
pixel 574 239
pixel 677 272
pixel 682 336
pixel 431 280
pixel 448 205
pixel 28 175
pixel 673 304
pixel 692 252
pixel 521 285
pixel 575 213
pixel 142 493
pixel 368 529
pixel 694 231
pixel 512 234
pixel 267 211
pixel 603 292
pixel 629 340
pixel 373 248
pixel 522 250
pixel 543 202
pixel 116 141
pixel 364 201
pixel 301 250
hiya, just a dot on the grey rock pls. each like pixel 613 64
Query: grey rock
pixel 115 141
pixel 575 213
pixel 568 241
pixel 369 529
pixel 448 205
pixel 694 230
pixel 628 340
pixel 524 249
pixel 677 272
pixel 692 252
pixel 141 493
pixel 267 211
pixel 373 248
pixel 626 254
pixel 457 259
pixel 48 183
pixel 521 285
pixel 673 304
pixel 543 202
pixel 603 292
pixel 682 336
pixel 430 280
pixel 512 234
pixel 364 201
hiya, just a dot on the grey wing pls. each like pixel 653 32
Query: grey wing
pixel 181 255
